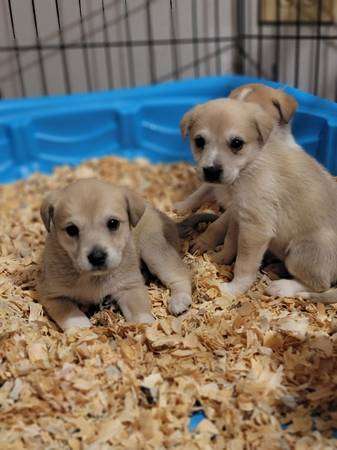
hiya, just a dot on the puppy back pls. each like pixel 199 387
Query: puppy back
pixel 154 226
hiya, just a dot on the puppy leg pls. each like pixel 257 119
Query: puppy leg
pixel 311 261
pixel 66 313
pixel 164 262
pixel 135 304
pixel 251 248
pixel 176 276
pixel 213 236
pixel 195 200
pixel 230 246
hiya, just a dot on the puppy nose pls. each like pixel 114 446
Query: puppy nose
pixel 212 173
pixel 97 257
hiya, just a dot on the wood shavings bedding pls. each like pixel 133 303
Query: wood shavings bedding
pixel 255 365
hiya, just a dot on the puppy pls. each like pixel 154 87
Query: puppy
pixel 281 199
pixel 97 235
pixel 281 107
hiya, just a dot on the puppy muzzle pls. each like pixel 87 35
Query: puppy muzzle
pixel 212 174
pixel 97 258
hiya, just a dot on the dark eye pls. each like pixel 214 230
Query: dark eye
pixel 113 224
pixel 72 230
pixel 236 143
pixel 199 142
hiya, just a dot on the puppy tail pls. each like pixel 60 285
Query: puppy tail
pixel 328 297
pixel 187 226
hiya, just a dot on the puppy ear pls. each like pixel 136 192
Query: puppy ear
pixel 186 122
pixel 241 92
pixel 285 105
pixel 47 209
pixel 264 125
pixel 135 205
pixel 276 102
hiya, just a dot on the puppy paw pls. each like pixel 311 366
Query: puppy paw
pixel 199 246
pixel 222 258
pixel 217 258
pixel 284 288
pixel 144 318
pixel 179 304
pixel 75 322
pixel 229 289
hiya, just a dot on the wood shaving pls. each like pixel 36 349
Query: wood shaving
pixel 263 370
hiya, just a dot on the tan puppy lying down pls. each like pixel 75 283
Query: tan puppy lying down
pixel 97 234
pixel 280 198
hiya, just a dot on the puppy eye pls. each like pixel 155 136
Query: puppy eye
pixel 72 230
pixel 236 143
pixel 113 224
pixel 200 142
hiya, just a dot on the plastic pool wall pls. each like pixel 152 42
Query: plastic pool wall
pixel 38 134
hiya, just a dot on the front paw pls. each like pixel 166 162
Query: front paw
pixel 217 258
pixel 232 288
pixel 179 303
pixel 199 246
pixel 75 322
pixel 143 318
pixel 222 258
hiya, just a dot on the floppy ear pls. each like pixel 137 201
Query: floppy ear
pixel 47 209
pixel 275 101
pixel 186 122
pixel 241 92
pixel 135 205
pixel 264 125
pixel 286 106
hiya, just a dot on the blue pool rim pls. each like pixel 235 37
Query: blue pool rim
pixel 38 134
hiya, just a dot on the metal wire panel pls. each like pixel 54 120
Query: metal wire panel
pixel 65 46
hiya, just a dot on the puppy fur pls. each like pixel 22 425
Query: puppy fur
pixel 70 276
pixel 281 108
pixel 281 199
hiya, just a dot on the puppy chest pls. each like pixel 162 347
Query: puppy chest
pixel 91 292
pixel 222 195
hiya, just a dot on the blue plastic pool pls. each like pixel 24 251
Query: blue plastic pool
pixel 38 134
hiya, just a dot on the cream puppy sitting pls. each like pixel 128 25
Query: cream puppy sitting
pixel 97 234
pixel 281 199
pixel 281 107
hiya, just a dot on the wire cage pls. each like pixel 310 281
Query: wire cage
pixel 66 46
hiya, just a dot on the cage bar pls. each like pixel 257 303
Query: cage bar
pixel 257 48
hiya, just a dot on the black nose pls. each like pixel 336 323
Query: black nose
pixel 212 173
pixel 97 257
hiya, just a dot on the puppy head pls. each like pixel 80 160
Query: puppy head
pixel 91 220
pixel 225 137
pixel 275 102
